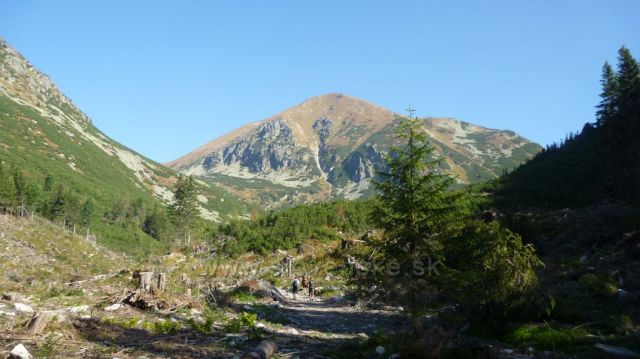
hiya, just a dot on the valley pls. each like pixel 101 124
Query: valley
pixel 333 229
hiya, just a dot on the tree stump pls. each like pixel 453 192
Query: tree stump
pixel 186 281
pixel 39 322
pixel 145 281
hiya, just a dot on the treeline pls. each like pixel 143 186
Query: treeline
pixel 23 196
pixel 599 163
pixel 126 224
pixel 287 228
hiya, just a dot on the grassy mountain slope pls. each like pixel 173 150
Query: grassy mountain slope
pixel 44 133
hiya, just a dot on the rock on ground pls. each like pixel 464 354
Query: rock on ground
pixel 20 352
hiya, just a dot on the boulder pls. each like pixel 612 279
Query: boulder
pixel 21 307
pixel 19 352
pixel 113 307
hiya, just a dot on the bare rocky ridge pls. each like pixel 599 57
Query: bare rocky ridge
pixel 330 146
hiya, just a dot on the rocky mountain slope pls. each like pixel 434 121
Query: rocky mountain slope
pixel 330 146
pixel 44 132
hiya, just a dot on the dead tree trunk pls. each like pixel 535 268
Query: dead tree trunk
pixel 287 264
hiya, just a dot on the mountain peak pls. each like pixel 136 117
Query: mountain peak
pixel 331 102
pixel 331 146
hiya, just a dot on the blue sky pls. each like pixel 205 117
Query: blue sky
pixel 166 77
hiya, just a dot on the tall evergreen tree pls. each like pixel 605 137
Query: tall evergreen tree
pixel 184 209
pixel 58 204
pixel 20 185
pixel 33 195
pixel 48 183
pixel 7 189
pixel 416 213
pixel 606 107
pixel 86 213
pixel 155 223
pixel 623 133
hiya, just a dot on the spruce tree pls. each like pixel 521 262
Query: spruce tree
pixel 606 107
pixel 20 186
pixel 48 183
pixel 86 213
pixel 416 213
pixel 58 204
pixel 7 190
pixel 185 209
pixel 629 120
pixel 621 131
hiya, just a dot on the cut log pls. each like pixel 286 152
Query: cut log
pixel 39 322
pixel 264 350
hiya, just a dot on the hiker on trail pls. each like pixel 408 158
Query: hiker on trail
pixel 295 286
pixel 312 289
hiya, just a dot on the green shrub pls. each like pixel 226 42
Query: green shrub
pixel 210 317
pixel 601 285
pixel 545 337
pixel 242 322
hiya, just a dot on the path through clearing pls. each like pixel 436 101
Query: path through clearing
pixel 311 328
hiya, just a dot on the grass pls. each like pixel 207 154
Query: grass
pixel 157 327
pixel 53 256
pixel 571 340
pixel 50 347
pixel 165 327
pixel 62 292
pixel 124 323
pixel 242 295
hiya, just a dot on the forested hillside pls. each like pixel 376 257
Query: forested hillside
pixel 599 163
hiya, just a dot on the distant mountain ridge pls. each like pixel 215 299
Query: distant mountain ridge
pixel 330 146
